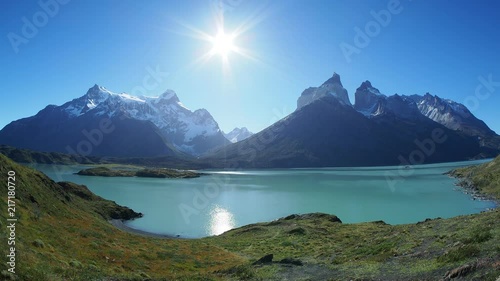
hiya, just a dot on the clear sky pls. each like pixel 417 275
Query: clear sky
pixel 440 47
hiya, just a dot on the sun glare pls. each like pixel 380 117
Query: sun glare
pixel 221 220
pixel 223 44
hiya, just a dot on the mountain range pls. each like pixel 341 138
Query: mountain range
pixel 326 129
pixel 135 126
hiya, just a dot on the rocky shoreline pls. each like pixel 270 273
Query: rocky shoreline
pixel 466 184
pixel 118 223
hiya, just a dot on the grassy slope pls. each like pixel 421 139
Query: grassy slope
pixel 370 251
pixel 484 178
pixel 335 251
pixel 79 244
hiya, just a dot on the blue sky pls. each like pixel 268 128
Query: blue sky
pixel 440 47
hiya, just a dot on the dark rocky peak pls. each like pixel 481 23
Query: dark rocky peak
pixel 335 79
pixel 331 87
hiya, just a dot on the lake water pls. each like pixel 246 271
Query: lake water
pixel 222 200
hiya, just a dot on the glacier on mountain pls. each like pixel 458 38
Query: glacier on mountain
pixel 178 124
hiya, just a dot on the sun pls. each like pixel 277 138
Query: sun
pixel 223 44
pixel 226 44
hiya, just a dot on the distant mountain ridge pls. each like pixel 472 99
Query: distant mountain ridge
pixel 142 126
pixel 238 134
pixel 371 103
pixel 327 130
pixel 451 114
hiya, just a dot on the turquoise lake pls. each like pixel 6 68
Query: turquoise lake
pixel 223 200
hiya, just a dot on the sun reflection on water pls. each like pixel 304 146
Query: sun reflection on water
pixel 221 220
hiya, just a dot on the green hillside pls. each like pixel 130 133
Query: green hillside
pixel 31 156
pixel 63 234
pixel 483 179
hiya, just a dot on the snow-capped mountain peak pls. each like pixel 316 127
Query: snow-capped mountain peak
pixel 94 96
pixel 443 104
pixel 238 134
pixel 372 103
pixel 451 114
pixel 96 89
pixel 368 100
pixel 168 95
pixel 175 121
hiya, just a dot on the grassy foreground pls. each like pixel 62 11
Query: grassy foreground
pixel 63 234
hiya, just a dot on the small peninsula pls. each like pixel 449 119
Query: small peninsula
pixel 144 173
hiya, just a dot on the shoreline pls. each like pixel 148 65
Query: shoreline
pixel 123 227
pixel 104 171
pixel 465 185
pixel 463 182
